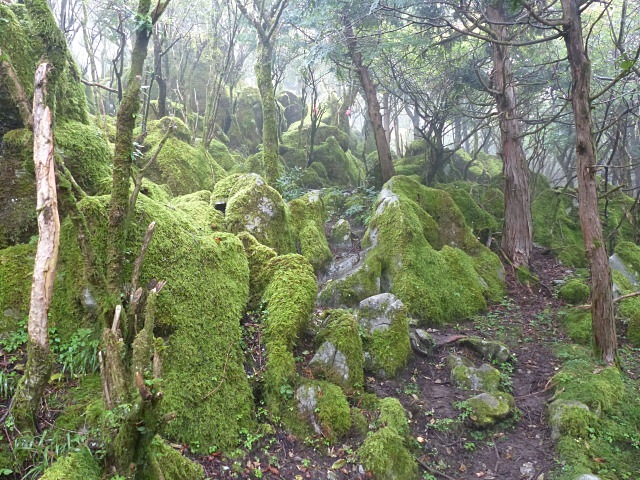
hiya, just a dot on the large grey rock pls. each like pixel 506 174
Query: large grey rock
pixel 616 264
pixel 376 313
pixel 306 396
pixel 329 359
pixel 490 350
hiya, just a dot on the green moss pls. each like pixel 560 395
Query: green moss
pixel 16 271
pixel 293 157
pixel 207 289
pixel 571 418
pixel 221 155
pixel 485 378
pixel 574 292
pixel 488 408
pixel 289 299
pixel 198 207
pixel 526 276
pixel 333 412
pixel 308 216
pixel 480 221
pixel 384 454
pixel 181 166
pixel 341 329
pixel 74 466
pixel 392 414
pixel 359 422
pixel 258 256
pixel 342 168
pixel 169 464
pixel 293 137
pixel 601 389
pixel 85 152
pixel 245 132
pixel 76 402
pixel 629 253
pixel 255 207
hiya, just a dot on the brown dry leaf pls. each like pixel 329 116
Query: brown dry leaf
pixel 480 474
pixel 463 468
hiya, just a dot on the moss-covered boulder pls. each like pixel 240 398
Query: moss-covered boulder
pixel 222 156
pixel 198 207
pixel 569 417
pixel 489 350
pixel 166 463
pixel 325 407
pixel 481 222
pixel 341 234
pixel 392 414
pixel 75 466
pixel 289 299
pixel 489 408
pixel 16 272
pixel 181 166
pixel 386 343
pixel 258 256
pixel 574 292
pixel 307 217
pixel 197 314
pixel 385 455
pixel 419 248
pixel 342 167
pixel 339 357
pixel 245 130
pixel 577 324
pixel 250 205
pixel 467 377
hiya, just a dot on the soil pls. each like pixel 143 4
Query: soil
pixel 445 445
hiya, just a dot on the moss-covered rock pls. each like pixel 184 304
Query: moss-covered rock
pixel 16 271
pixel 168 464
pixel 307 217
pixel 289 299
pixel 467 377
pixel 74 466
pixel 245 131
pixel 258 256
pixel 384 320
pixel 198 207
pixel 341 234
pixel 419 248
pixel 489 350
pixel 574 292
pixel 342 168
pixel 253 206
pixel 296 137
pixel 325 407
pixel 221 155
pixel 481 222
pixel 385 455
pixel 577 323
pixel 392 414
pixel 181 166
pixel 339 357
pixel 489 408
pixel 197 314
pixel 569 417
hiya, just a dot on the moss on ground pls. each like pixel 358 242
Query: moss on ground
pixel 74 466
pixel 307 217
pixel 168 464
pixel 76 402
pixel 577 323
pixel 574 292
pixel 385 455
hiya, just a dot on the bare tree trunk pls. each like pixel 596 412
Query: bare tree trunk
pixel 603 323
pixel 517 236
pixel 373 106
pixel 38 370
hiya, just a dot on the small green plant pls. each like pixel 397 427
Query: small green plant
pixel 286 391
pixel 289 183
pixel 306 463
pixel 465 410
pixel 469 446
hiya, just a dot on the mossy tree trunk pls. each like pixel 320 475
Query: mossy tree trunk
pixel 603 321
pixel 517 235
pixel 123 154
pixel 371 99
pixel 266 21
pixel 29 393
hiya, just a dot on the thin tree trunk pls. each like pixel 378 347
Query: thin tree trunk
pixel 39 360
pixel 269 114
pixel 517 235
pixel 122 158
pixel 603 323
pixel 373 106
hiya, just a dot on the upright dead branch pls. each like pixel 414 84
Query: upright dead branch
pixel 38 368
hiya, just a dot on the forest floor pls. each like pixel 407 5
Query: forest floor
pixel 446 447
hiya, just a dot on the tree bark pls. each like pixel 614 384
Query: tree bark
pixel 39 360
pixel 371 98
pixel 517 235
pixel 603 322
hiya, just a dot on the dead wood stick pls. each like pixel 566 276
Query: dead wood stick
pixel 433 471
pixel 615 300
pixel 116 319
pixel 99 85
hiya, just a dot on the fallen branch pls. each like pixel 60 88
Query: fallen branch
pixel 433 471
pixel 224 374
pixel 587 306
pixel 104 87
